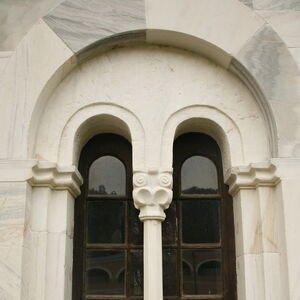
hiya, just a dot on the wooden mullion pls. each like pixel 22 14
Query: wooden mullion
pixel 200 196
pixel 203 297
pixel 106 247
pixel 201 246
pixel 104 297
pixel 108 197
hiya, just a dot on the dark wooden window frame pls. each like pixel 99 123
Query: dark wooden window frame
pixel 99 146
pixel 186 146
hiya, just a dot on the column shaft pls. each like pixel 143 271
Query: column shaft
pixel 152 260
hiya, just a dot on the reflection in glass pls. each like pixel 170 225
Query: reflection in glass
pixel 199 176
pixel 170 272
pixel 107 177
pixel 106 222
pixel 136 271
pixel 102 272
pixel 200 221
pixel 169 229
pixel 135 226
pixel 202 272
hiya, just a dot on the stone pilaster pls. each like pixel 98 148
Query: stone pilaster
pixel 257 219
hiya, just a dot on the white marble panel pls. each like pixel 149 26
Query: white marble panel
pixel 289 171
pixel 269 219
pixel 286 23
pixel 267 58
pixel 274 277
pixel 10 272
pixel 206 20
pixel 12 213
pixel 250 277
pixel 17 17
pixel 61 213
pixel 80 24
pixel 247 2
pixel 27 74
pixel 247 223
pixel 296 54
pixel 259 277
pixel 34 265
pixel 276 4
pixel 4 57
pixel 59 263
pixel 12 225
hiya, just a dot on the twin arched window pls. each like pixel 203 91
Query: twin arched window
pixel 198 238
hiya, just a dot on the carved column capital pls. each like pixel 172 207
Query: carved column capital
pixel 152 193
pixel 56 177
pixel 251 177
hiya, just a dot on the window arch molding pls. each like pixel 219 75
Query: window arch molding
pixel 93 249
pixel 216 211
pixel 234 141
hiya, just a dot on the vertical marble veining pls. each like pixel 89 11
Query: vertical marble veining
pixel 276 4
pixel 268 59
pixel 12 216
pixel 248 3
pixel 80 24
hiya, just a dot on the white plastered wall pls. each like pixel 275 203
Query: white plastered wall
pixel 148 85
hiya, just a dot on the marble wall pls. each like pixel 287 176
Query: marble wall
pixel 48 91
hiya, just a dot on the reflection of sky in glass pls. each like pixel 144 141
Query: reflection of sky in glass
pixel 107 176
pixel 200 172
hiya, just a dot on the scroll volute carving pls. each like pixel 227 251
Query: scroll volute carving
pixel 152 194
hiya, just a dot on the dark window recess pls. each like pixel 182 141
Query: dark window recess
pixel 198 233
pixel 108 255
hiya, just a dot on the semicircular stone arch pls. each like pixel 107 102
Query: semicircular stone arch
pixel 257 45
pixel 152 89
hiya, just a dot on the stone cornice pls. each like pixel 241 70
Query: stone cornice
pixel 251 176
pixel 56 177
pixel 152 193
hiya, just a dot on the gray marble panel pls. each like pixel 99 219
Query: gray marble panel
pixel 17 17
pixel 276 4
pixel 267 58
pixel 247 2
pixel 80 23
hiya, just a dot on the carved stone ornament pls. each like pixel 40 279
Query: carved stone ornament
pixel 251 177
pixel 55 177
pixel 152 193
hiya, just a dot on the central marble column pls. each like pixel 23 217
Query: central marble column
pixel 152 194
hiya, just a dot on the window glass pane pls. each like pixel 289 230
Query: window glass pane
pixel 170 272
pixel 199 176
pixel 136 272
pixel 135 226
pixel 169 228
pixel 107 176
pixel 104 272
pixel 200 221
pixel 106 222
pixel 202 272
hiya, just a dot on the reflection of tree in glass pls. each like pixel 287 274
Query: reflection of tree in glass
pixel 196 190
pixel 101 191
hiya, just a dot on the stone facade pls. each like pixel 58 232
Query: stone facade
pixel 150 71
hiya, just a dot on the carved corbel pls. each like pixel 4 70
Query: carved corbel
pixel 251 177
pixel 152 193
pixel 51 175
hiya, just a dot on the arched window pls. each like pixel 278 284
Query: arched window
pixel 108 258
pixel 198 236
